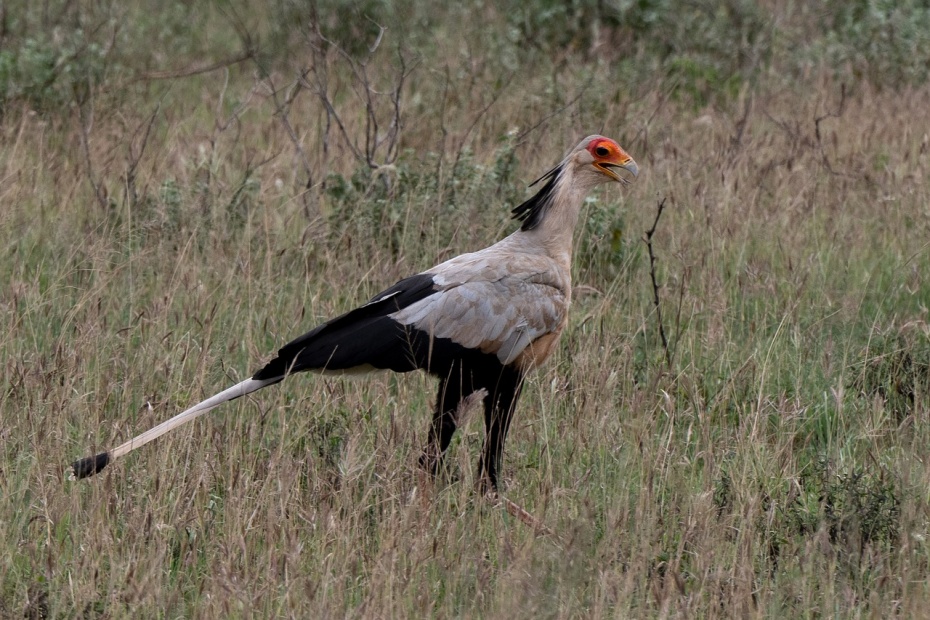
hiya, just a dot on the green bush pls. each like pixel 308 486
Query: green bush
pixel 896 368
pixel 48 72
pixel 884 41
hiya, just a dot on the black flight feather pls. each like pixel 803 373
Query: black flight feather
pixel 360 337
pixel 532 211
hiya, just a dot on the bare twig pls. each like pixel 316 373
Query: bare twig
pixel 374 46
pixel 474 123
pixel 86 118
pixel 736 140
pixel 379 147
pixel 394 130
pixel 282 111
pixel 681 300
pixel 840 108
pixel 196 68
pixel 522 514
pixel 655 283
pixel 136 153
pixel 250 49
pixel 443 130
pixel 799 140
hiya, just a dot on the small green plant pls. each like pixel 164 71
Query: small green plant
pixel 49 72
pixel 895 366
pixel 371 207
pixel 856 507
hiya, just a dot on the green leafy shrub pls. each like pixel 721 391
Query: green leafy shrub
pixel 896 368
pixel 886 41
pixel 48 72
pixel 374 206
pixel 707 48
pixel 856 507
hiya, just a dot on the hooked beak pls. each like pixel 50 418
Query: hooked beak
pixel 610 169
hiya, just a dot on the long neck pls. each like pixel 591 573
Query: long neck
pixel 549 217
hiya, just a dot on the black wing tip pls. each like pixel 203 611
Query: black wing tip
pixel 88 466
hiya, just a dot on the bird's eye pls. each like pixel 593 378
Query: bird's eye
pixel 602 151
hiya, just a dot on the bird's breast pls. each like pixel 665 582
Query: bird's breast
pixel 538 351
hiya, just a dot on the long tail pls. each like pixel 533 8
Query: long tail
pixel 92 464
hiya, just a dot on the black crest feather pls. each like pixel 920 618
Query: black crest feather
pixel 532 211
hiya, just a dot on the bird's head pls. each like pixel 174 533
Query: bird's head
pixel 602 157
pixel 594 161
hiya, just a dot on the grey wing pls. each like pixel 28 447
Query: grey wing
pixel 502 317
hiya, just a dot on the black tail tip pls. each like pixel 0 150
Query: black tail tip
pixel 86 467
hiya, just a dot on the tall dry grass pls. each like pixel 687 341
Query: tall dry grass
pixel 161 240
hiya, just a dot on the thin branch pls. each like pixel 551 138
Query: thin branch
pixel 471 127
pixel 320 72
pixel 87 122
pixel 371 121
pixel 282 108
pixel 394 130
pixel 736 140
pixel 800 141
pixel 377 148
pixel 681 299
pixel 135 154
pixel 841 107
pixel 250 50
pixel 332 114
pixel 655 283
pixel 519 512
pixel 374 47
pixel 196 68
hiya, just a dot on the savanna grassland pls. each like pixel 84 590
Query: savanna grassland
pixel 186 186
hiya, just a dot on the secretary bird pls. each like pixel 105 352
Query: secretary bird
pixel 479 322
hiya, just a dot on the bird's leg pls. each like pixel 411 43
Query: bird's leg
pixel 499 406
pixel 444 421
